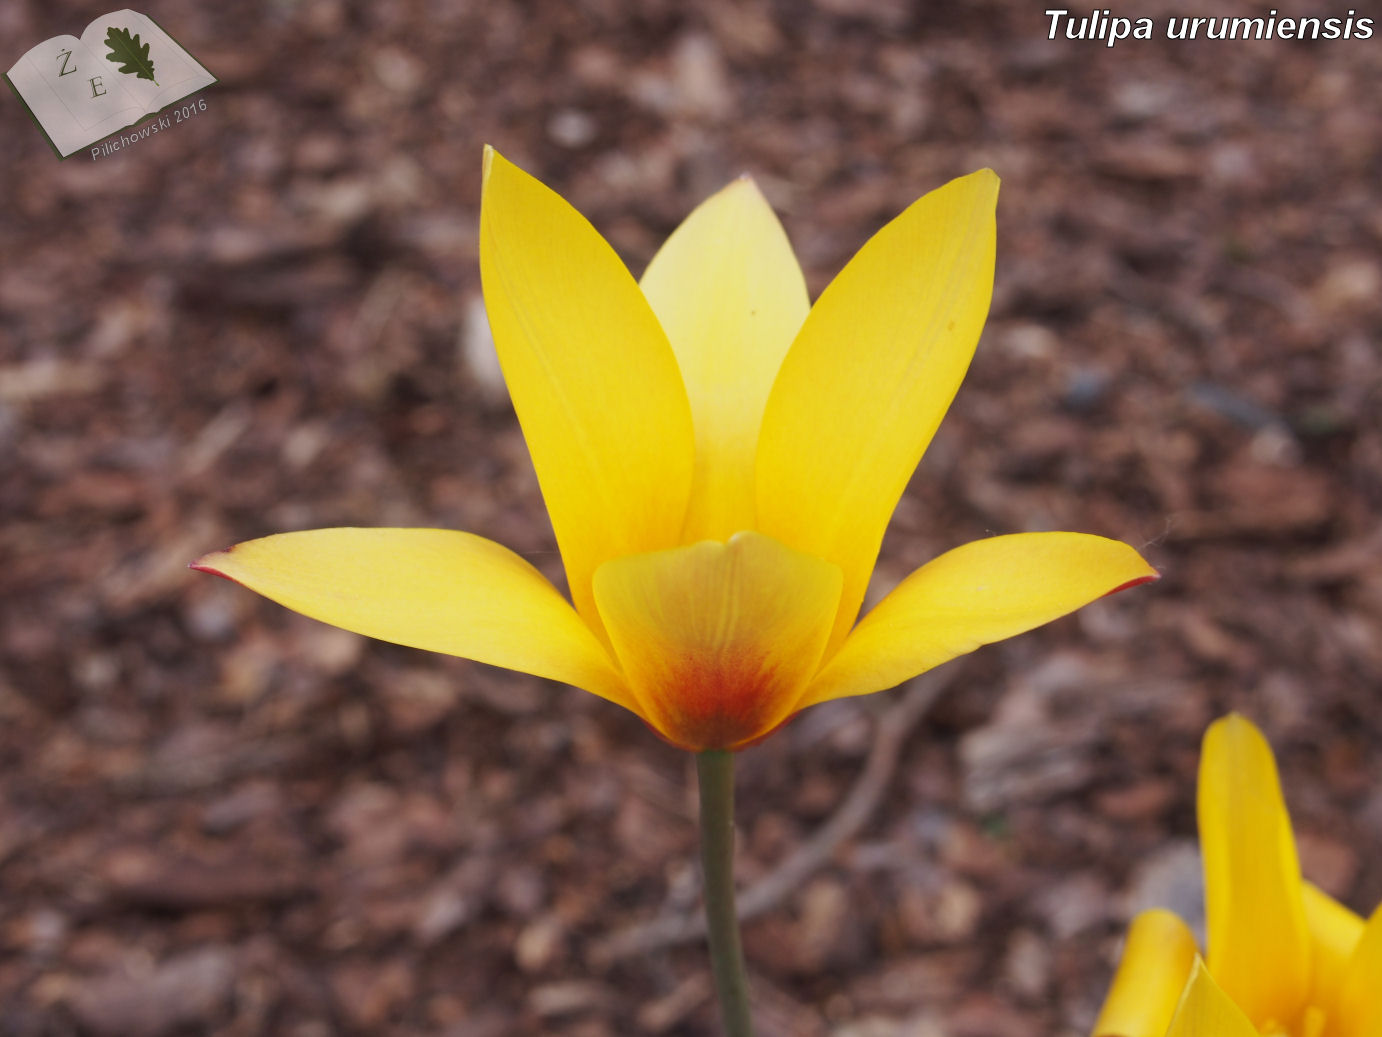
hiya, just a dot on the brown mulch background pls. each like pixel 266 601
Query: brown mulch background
pixel 220 818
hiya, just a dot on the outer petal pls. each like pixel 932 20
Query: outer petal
pixel 869 378
pixel 1205 1010
pixel 1359 1008
pixel 731 297
pixel 1334 933
pixel 427 588
pixel 975 594
pixel 1157 961
pixel 717 640
pixel 1258 942
pixel 592 377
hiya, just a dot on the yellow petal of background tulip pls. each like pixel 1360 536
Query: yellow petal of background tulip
pixel 427 588
pixel 1258 943
pixel 1205 1010
pixel 730 295
pixel 978 593
pixel 1157 961
pixel 869 378
pixel 1359 1007
pixel 717 640
pixel 1334 933
pixel 592 376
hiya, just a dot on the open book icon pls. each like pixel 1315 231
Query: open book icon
pixel 123 68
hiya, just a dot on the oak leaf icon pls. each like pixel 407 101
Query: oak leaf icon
pixel 127 52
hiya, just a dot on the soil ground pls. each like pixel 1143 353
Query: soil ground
pixel 217 817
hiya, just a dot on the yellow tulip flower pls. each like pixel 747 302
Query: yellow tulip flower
pixel 1284 959
pixel 719 460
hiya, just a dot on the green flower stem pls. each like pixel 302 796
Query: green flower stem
pixel 715 770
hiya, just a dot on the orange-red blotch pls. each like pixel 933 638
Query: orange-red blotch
pixel 721 703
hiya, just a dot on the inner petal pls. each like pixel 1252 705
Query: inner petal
pixel 730 295
pixel 717 640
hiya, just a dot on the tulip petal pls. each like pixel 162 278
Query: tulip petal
pixel 978 593
pixel 717 640
pixel 1359 1008
pixel 869 378
pixel 592 376
pixel 730 295
pixel 1205 1010
pixel 1334 933
pixel 1157 960
pixel 1258 940
pixel 435 589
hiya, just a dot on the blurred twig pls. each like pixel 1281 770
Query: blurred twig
pixel 891 731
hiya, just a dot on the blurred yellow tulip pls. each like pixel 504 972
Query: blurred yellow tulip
pixel 1284 959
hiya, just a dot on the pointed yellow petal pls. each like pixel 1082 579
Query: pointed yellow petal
pixel 427 588
pixel 1359 1008
pixel 1156 963
pixel 869 378
pixel 730 295
pixel 1258 943
pixel 717 640
pixel 592 377
pixel 1205 1010
pixel 1334 933
pixel 981 592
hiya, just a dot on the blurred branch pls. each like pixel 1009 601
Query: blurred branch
pixel 891 730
